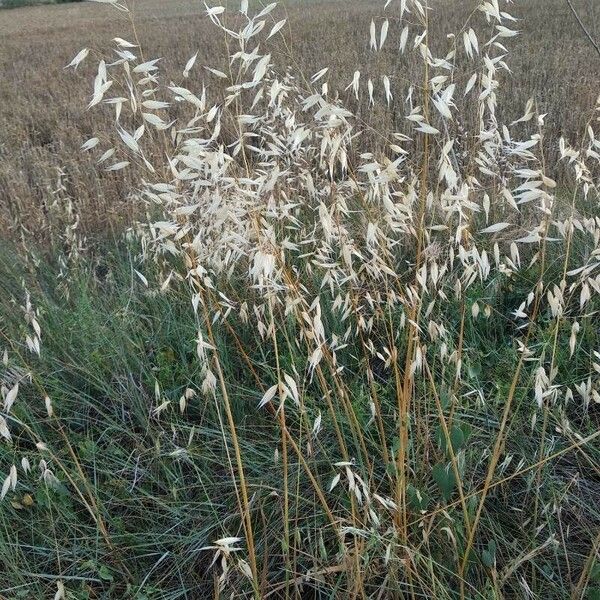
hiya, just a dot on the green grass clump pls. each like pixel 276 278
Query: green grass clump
pixel 138 495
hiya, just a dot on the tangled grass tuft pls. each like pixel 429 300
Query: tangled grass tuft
pixel 331 359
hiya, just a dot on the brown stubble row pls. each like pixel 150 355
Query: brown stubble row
pixel 47 184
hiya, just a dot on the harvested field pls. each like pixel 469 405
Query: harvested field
pixel 43 116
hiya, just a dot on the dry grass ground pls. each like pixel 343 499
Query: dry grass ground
pixel 43 116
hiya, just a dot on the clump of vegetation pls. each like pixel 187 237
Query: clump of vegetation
pixel 321 364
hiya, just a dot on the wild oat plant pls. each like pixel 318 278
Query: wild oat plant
pixel 410 330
